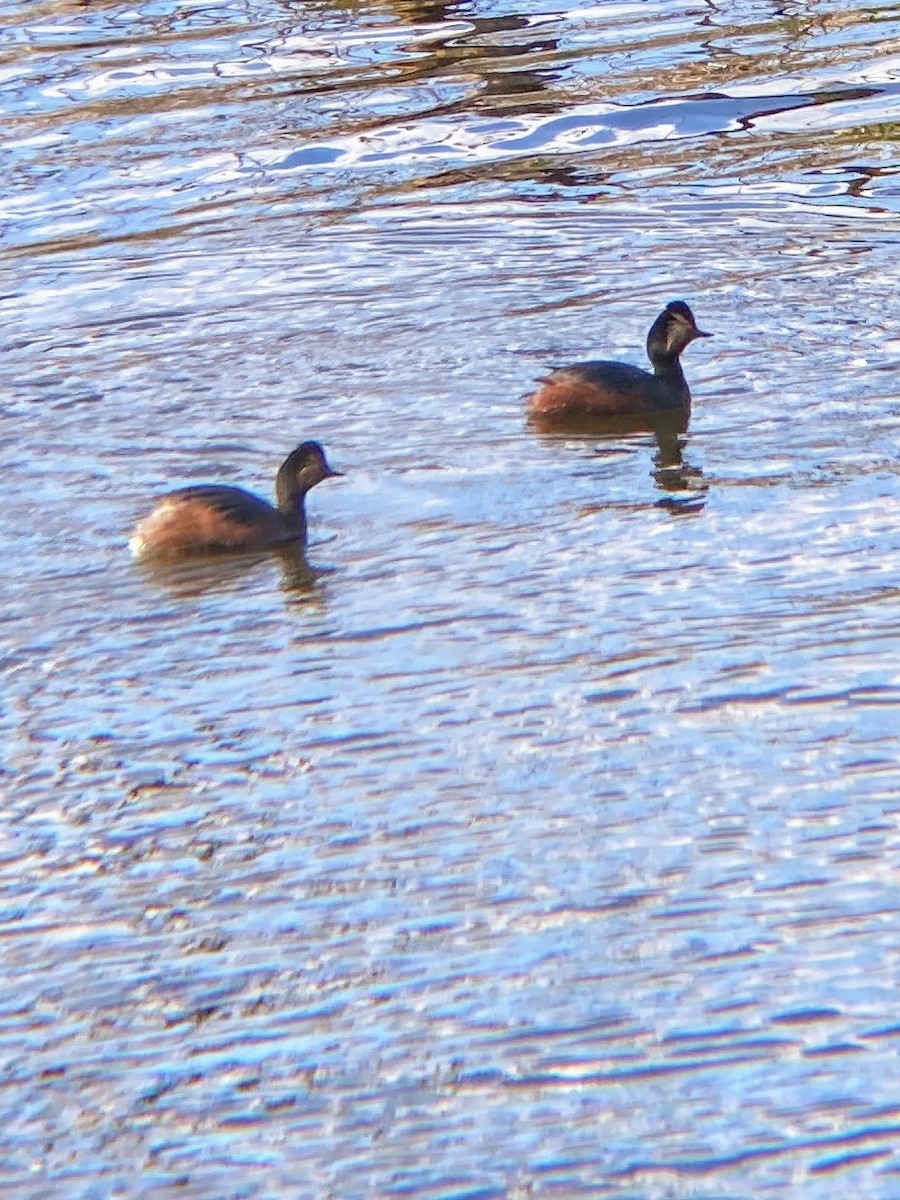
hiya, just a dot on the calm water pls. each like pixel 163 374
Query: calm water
pixel 541 839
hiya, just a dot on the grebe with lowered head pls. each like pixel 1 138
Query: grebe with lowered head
pixel 210 518
pixel 614 389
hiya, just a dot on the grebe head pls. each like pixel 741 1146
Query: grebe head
pixel 301 470
pixel 672 331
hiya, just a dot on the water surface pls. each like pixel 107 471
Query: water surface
pixel 540 838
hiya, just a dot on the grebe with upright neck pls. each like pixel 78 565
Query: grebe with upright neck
pixel 614 389
pixel 210 518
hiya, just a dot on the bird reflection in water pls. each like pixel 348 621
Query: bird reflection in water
pixel 203 575
pixel 681 481
pixel 684 485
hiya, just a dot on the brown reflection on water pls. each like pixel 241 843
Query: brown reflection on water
pixel 199 575
pixel 665 426
pixel 681 480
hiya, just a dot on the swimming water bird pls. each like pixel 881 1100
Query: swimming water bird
pixel 614 389
pixel 215 517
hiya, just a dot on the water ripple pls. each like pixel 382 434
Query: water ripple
pixel 526 839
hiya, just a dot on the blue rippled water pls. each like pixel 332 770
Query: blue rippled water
pixel 537 837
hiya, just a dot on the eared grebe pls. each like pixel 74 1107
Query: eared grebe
pixel 614 389
pixel 215 517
